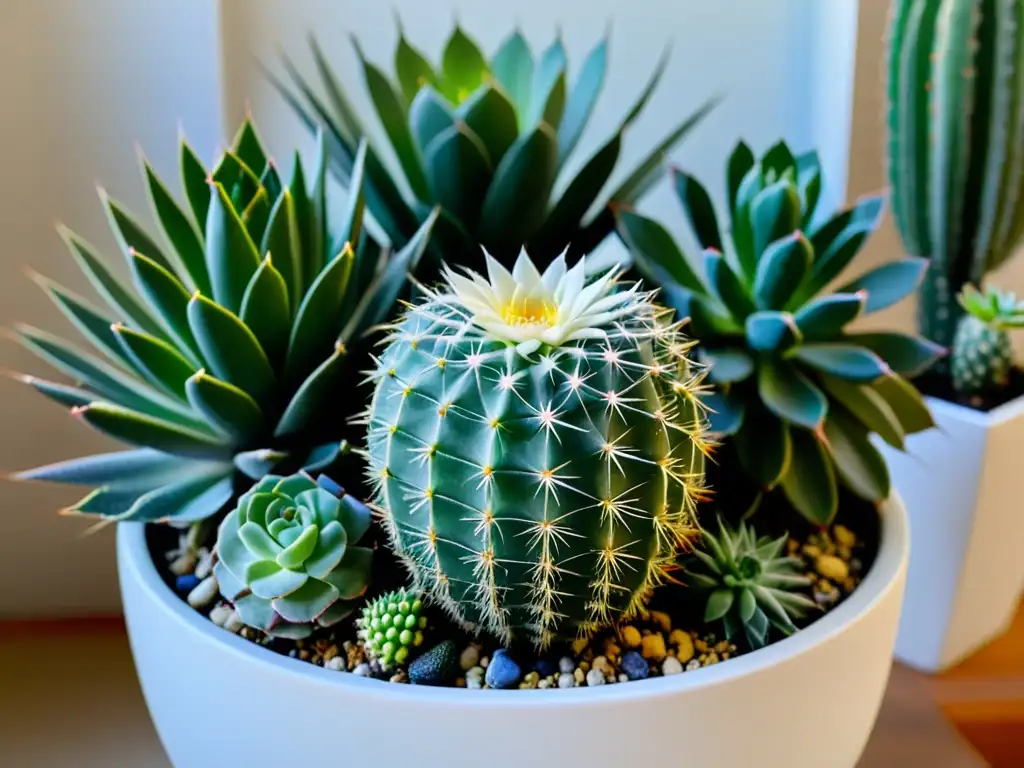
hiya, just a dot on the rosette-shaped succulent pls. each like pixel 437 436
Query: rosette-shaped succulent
pixel 287 556
pixel 798 390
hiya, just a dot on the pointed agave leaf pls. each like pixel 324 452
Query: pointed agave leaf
pixel 312 215
pixel 492 118
pixel 869 407
pixel 781 268
pixel 741 161
pixel 458 172
pixel 120 299
pixel 130 234
pixel 516 201
pixel 727 286
pixel 729 365
pixel 764 447
pixel 825 318
pixel 412 69
pixel 317 321
pixel 248 147
pixel 170 299
pixel 193 498
pixel 256 215
pixel 846 361
pixel 810 484
pixel 377 302
pixel 231 255
pixel 809 180
pixel 179 229
pixel 195 182
pixel 699 211
pixel 770 331
pixel 160 363
pixel 790 395
pixel 392 114
pixel 655 252
pixel 309 399
pixel 350 223
pixel 230 349
pixel 104 502
pixel 582 98
pixel 463 66
pixel 282 242
pixel 429 115
pixel 259 463
pixel 225 405
pixel 775 213
pixel 347 125
pixel 513 68
pixel 778 160
pixel 240 182
pixel 139 467
pixel 69 397
pixel 861 467
pixel 266 311
pixel 906 402
pixel 142 429
pixel 906 355
pixel 888 283
pixel 548 86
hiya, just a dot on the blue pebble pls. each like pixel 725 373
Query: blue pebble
pixel 185 584
pixel 503 672
pixel 635 666
pixel 546 667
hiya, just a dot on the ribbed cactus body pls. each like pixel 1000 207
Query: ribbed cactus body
pixel 537 496
pixel 982 358
pixel 956 143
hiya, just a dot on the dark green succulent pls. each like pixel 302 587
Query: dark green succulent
pixel 224 359
pixel 798 391
pixel 288 557
pixel 488 140
pixel 750 586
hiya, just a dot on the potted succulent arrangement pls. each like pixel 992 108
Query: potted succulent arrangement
pixel 540 524
pixel 954 159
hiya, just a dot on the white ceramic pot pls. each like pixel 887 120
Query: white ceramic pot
pixel 962 484
pixel 219 701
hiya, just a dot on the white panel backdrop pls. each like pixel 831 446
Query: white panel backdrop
pixel 86 80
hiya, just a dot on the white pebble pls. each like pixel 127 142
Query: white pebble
pixel 183 564
pixel 469 658
pixel 485 661
pixel 566 680
pixel 692 664
pixel 220 614
pixel 363 670
pixel 545 683
pixel 234 622
pixel 671 666
pixel 205 565
pixel 623 677
pixel 203 593
pixel 337 663
pixel 566 665
pixel 595 677
pixel 475 673
pixel 474 683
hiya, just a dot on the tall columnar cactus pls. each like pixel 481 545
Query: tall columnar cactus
pixel 956 143
pixel 219 362
pixel 489 140
pixel 982 353
pixel 538 448
pixel 799 391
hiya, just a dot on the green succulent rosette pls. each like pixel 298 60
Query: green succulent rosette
pixel 287 557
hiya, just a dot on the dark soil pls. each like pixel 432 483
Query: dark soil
pixel 940 386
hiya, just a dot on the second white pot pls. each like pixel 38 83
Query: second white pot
pixel 963 484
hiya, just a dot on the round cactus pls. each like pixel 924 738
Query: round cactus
pixel 538 448
pixel 287 556
pixel 982 355
pixel 391 626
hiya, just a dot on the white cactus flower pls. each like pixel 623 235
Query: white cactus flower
pixel 530 309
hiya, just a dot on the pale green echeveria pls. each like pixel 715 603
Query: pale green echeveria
pixel 287 557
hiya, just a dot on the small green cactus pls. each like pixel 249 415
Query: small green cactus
pixel 287 556
pixel 391 626
pixel 982 356
pixel 750 586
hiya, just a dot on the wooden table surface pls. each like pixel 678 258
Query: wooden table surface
pixel 69 698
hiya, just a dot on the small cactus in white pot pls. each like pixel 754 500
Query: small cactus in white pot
pixel 982 357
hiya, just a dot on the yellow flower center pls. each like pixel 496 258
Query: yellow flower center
pixel 529 311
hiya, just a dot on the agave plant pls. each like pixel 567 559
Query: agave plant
pixel 489 141
pixel 750 585
pixel 225 358
pixel 798 390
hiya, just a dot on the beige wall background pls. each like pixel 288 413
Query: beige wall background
pixel 83 81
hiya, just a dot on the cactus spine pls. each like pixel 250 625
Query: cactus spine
pixel 956 143
pixel 538 449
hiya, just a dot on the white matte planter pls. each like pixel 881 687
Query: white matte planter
pixel 962 484
pixel 809 700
